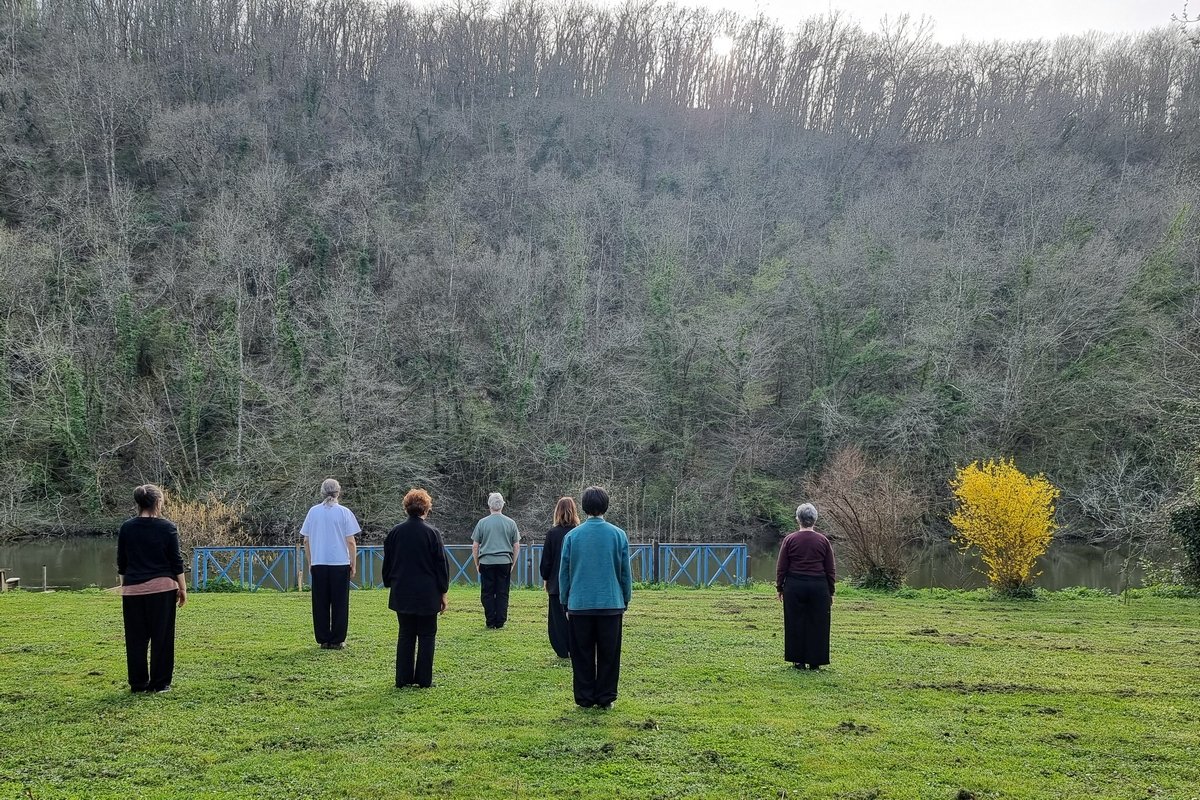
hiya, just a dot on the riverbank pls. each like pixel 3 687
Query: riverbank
pixel 82 562
pixel 931 695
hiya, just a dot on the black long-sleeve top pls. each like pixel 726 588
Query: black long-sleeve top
pixel 552 555
pixel 148 548
pixel 414 567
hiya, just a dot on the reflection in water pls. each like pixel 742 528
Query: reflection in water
pixel 942 565
pixel 73 563
pixel 91 561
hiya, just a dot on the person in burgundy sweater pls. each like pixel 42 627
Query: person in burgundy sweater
pixel 804 580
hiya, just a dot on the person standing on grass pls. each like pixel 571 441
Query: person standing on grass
pixel 152 587
pixel 565 518
pixel 414 568
pixel 804 582
pixel 495 545
pixel 328 531
pixel 595 585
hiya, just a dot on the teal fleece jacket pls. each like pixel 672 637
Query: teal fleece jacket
pixel 594 570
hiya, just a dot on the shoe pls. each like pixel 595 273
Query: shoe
pixel 337 646
pixel 324 645
pixel 605 706
pixel 584 705
pixel 138 689
pixel 163 690
pixel 814 667
pixel 798 665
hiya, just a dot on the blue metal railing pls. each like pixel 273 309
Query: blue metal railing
pixel 704 565
pixel 282 567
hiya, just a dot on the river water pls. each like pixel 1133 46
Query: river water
pixel 76 563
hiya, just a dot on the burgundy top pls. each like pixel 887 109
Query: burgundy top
pixel 805 553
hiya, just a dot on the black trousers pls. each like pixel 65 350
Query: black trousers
pixel 494 583
pixel 330 602
pixel 806 616
pixel 557 628
pixel 414 649
pixel 149 622
pixel 596 657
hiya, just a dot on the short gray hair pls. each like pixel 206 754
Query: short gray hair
pixel 495 501
pixel 806 513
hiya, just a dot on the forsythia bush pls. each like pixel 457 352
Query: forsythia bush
pixel 1008 516
pixel 213 520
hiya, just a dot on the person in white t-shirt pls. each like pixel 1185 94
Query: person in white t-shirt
pixel 329 547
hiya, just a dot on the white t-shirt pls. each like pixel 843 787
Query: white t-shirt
pixel 326 528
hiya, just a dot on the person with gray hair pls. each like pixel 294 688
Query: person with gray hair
pixel 495 545
pixel 805 582
pixel 328 530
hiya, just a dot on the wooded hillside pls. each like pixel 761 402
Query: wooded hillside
pixel 247 244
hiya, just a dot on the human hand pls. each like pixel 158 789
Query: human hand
pixel 779 596
pixel 181 596
pixel 445 602
pixel 353 569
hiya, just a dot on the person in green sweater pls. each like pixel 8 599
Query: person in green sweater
pixel 496 543
pixel 595 584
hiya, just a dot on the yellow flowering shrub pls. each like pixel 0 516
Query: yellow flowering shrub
pixel 1007 516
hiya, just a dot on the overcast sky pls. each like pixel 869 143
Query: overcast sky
pixel 991 19
pixel 975 19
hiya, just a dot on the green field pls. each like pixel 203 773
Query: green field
pixel 931 695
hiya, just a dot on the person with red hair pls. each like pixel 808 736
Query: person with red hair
pixel 415 570
pixel 565 518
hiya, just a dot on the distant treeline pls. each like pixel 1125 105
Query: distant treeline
pixel 247 244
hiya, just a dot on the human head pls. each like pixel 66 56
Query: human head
pixel 495 501
pixel 806 515
pixel 148 498
pixel 565 513
pixel 595 501
pixel 330 491
pixel 417 502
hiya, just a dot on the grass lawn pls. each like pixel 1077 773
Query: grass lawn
pixel 932 695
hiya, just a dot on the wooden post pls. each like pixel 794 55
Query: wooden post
pixel 3 580
pixel 299 567
pixel 45 583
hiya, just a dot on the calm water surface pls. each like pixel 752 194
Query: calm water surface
pixel 91 561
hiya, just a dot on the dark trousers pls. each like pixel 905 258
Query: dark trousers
pixel 494 582
pixel 149 622
pixel 414 649
pixel 557 627
pixel 595 657
pixel 806 617
pixel 330 602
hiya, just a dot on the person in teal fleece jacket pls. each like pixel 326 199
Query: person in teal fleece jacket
pixel 595 584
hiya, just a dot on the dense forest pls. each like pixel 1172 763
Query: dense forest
pixel 246 244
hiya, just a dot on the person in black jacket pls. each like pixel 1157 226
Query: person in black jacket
pixel 152 586
pixel 565 518
pixel 414 568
